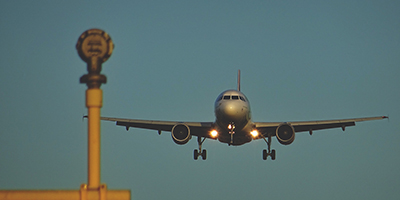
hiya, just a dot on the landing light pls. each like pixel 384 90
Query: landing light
pixel 214 133
pixel 254 133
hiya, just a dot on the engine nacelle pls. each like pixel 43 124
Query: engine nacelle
pixel 285 134
pixel 181 133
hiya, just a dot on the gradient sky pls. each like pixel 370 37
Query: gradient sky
pixel 300 60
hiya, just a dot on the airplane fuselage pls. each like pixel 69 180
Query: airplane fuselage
pixel 233 116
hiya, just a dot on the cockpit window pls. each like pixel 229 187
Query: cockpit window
pixel 227 97
pixel 242 98
pixel 235 97
pixel 219 98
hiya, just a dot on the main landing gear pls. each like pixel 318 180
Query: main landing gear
pixel 199 152
pixel 266 153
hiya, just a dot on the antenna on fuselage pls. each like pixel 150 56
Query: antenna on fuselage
pixel 238 81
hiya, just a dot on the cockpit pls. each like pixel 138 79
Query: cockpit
pixel 231 97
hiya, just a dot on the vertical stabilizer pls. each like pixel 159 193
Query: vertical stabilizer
pixel 238 81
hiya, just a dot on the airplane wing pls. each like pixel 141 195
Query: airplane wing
pixel 196 128
pixel 270 127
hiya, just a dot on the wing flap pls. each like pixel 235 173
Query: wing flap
pixel 196 128
pixel 314 127
pixel 160 127
pixel 301 126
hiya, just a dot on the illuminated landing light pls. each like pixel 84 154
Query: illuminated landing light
pixel 214 133
pixel 231 126
pixel 254 133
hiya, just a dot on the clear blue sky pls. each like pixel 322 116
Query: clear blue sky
pixel 300 60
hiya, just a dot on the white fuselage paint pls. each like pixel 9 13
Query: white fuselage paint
pixel 232 107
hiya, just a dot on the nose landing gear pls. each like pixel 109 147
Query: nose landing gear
pixel 231 128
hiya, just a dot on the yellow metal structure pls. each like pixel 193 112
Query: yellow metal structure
pixel 94 47
pixel 94 103
pixel 82 194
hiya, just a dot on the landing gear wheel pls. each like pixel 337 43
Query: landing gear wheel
pixel 268 152
pixel 264 154
pixel 199 152
pixel 195 154
pixel 204 154
pixel 273 154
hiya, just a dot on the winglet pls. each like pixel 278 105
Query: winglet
pixel 238 81
pixel 386 117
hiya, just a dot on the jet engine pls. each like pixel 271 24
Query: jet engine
pixel 285 134
pixel 181 133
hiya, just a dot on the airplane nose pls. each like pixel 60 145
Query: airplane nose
pixel 229 111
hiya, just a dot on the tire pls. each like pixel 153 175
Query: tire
pixel 273 154
pixel 264 154
pixel 204 154
pixel 195 154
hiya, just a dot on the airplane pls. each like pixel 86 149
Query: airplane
pixel 233 125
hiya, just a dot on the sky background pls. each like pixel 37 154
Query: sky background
pixel 300 60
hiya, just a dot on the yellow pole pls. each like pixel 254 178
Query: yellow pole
pixel 94 103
